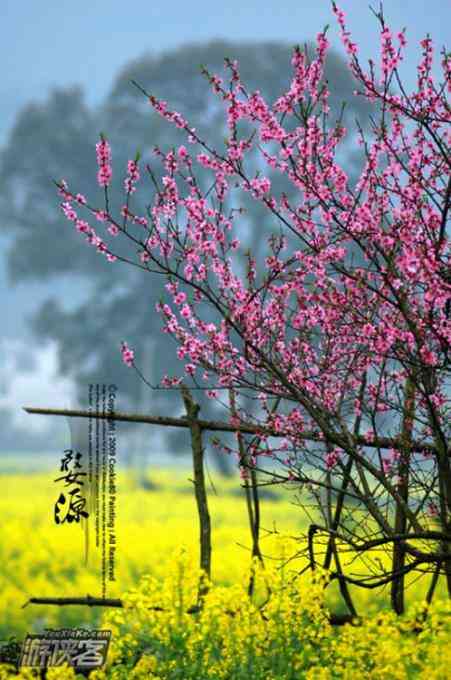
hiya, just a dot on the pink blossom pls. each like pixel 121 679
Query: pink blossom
pixel 186 312
pixel 105 172
pixel 127 354
pixel 82 226
pixel 180 298
pixel 332 458
pixel 113 230
pixel 68 211
pixel 144 256
pixel 132 178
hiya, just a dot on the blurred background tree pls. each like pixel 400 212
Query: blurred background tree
pixel 57 140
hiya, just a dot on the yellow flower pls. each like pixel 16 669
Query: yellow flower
pixel 146 666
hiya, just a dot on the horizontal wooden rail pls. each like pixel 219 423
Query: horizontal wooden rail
pixel 221 426
pixel 88 601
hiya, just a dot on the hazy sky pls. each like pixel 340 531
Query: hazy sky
pixel 63 42
pixel 60 42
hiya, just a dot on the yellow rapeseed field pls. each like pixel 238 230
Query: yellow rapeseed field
pixel 282 632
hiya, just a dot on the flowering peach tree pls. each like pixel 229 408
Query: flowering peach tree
pixel 341 334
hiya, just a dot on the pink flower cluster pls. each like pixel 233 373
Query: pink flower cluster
pixel 81 225
pixel 132 178
pixel 128 354
pixel 332 458
pixel 172 116
pixel 390 461
pixel 105 171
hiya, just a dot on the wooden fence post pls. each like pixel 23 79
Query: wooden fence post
pixel 192 411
